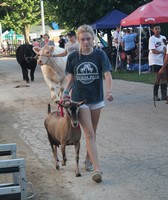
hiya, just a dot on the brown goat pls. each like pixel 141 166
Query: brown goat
pixel 64 131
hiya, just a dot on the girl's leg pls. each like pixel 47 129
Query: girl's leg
pixel 95 115
pixel 86 119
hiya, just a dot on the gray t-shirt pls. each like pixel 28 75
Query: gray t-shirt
pixel 88 75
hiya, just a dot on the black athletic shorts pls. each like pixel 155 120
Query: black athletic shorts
pixel 130 52
pixel 155 68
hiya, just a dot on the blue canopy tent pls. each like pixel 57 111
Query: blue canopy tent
pixel 109 22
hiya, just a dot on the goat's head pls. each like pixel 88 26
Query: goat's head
pixel 43 54
pixel 72 110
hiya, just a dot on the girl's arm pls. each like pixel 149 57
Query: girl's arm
pixel 70 81
pixel 108 79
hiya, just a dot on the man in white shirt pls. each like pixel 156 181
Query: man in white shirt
pixel 117 37
pixel 156 58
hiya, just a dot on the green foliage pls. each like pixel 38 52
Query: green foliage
pixel 77 12
pixel 21 14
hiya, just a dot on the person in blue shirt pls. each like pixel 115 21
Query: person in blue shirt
pixel 129 45
pixel 85 69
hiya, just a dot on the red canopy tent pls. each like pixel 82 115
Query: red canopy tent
pixel 154 12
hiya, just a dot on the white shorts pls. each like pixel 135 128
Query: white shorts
pixel 93 106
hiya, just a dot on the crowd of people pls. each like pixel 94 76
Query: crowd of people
pixel 153 48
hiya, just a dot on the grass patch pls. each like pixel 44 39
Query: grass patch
pixel 148 78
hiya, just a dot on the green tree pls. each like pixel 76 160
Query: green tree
pixel 21 14
pixel 74 13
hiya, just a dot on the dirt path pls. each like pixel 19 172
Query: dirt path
pixel 131 138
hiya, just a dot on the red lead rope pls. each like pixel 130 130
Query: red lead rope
pixel 60 108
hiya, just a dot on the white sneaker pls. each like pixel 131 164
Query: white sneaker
pixel 128 67
pixel 88 165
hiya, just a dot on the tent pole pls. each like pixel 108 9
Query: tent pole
pixel 96 39
pixel 149 31
pixel 140 27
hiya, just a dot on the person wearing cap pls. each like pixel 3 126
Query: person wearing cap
pixel 71 46
pixel 129 45
pixel 46 41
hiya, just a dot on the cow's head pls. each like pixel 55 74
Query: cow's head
pixel 29 54
pixel 44 54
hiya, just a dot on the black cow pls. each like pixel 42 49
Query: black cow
pixel 26 58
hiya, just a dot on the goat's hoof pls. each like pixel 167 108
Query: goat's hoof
pixel 57 167
pixel 78 174
pixel 63 163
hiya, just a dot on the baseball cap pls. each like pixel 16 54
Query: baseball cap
pixel 71 33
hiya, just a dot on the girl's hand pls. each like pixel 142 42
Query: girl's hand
pixel 109 96
pixel 65 95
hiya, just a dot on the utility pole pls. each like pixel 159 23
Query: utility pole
pixel 42 16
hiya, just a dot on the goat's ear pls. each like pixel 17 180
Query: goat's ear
pixel 82 102
pixel 64 104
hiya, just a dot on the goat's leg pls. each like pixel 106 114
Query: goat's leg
pixel 54 150
pixel 63 154
pixel 56 157
pixel 77 148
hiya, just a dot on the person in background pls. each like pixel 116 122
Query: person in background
pixel 19 43
pixel 164 72
pixel 85 69
pixel 129 45
pixel 46 41
pixel 4 46
pixel 62 41
pixel 41 38
pixel 71 46
pixel 35 43
pixel 117 37
pixel 156 58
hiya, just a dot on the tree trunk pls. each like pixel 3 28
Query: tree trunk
pixel 26 31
